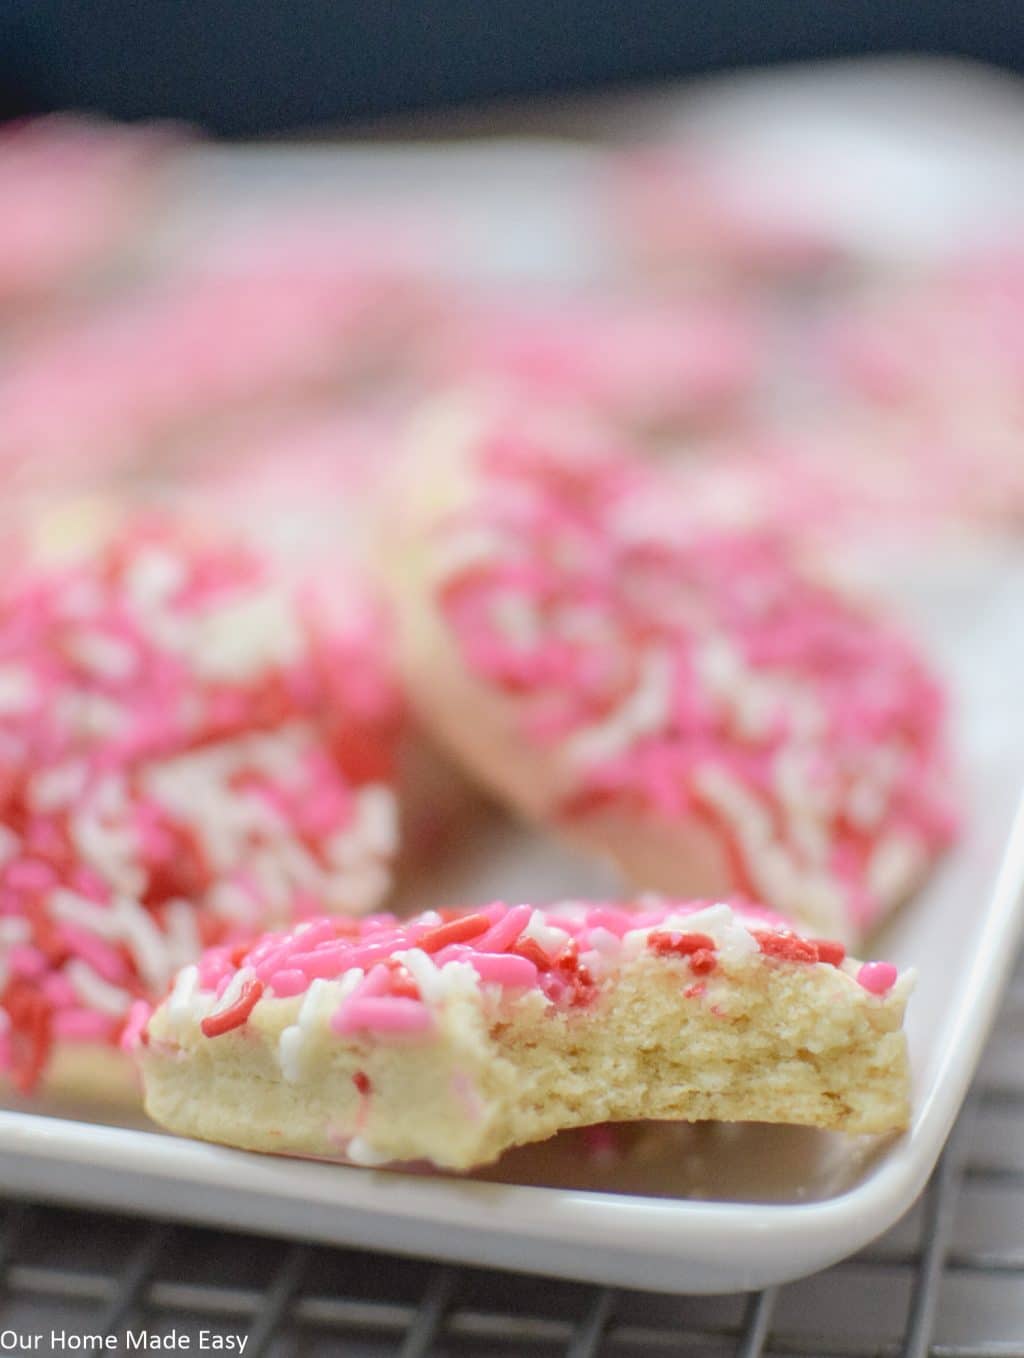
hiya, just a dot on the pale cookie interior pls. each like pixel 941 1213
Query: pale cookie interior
pixel 762 1042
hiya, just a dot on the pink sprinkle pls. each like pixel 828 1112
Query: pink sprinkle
pixel 138 1017
pixel 58 991
pixel 877 977
pixel 503 969
pixel 505 932
pixel 615 921
pixel 382 1014
pixel 375 983
pixel 319 931
pixel 30 874
pixel 289 963
pixel 214 966
pixel 332 961
pixel 24 960
pixel 291 982
pixel 105 960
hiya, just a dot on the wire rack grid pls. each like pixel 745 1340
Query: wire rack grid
pixel 947 1282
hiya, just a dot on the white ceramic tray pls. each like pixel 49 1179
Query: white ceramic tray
pixel 701 1209
pixel 677 1209
pixel 674 1208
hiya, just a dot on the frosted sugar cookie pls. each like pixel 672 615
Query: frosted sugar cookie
pixel 72 189
pixel 653 368
pixel 678 211
pixel 455 1035
pixel 132 378
pixel 189 751
pixel 693 703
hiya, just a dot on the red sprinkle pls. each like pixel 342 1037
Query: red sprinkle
pixel 235 1014
pixel 533 952
pixel 457 931
pixel 362 1082
pixel 832 953
pixel 402 983
pixel 788 947
pixel 31 1037
pixel 684 945
pixel 703 961
pixel 576 974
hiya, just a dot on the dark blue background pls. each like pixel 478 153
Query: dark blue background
pixel 267 65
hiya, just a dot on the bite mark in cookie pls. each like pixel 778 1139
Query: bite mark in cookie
pixel 457 1034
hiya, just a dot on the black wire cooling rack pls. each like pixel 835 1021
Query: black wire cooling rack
pixel 947 1282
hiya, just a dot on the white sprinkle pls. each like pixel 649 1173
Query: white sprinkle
pixel 459 978
pixel 245 637
pixel 9 844
pixel 311 1003
pixel 291 1047
pixel 605 941
pixel 94 991
pixel 744 812
pixel 360 889
pixel 153 576
pixel 546 936
pixel 233 989
pixel 456 553
pixel 905 983
pixel 103 655
pixel 74 909
pixel 109 848
pixel 322 992
pixel 230 901
pixel 643 712
pixel 179 1004
pixel 17 689
pixel 895 864
pixel 183 939
pixel 423 970
pixel 720 922
pixel 148 944
pixel 294 1040
pixel 516 619
pixel 13 930
pixel 377 815
pixel 58 787
pixel 360 1152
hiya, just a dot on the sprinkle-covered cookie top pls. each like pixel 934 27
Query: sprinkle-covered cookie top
pixel 188 753
pixel 386 977
pixel 638 365
pixel 695 674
